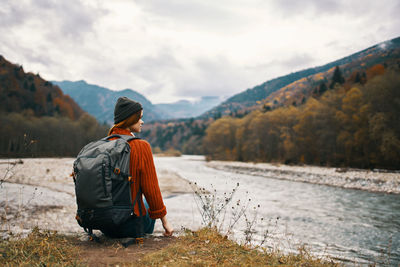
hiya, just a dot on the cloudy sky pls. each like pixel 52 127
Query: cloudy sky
pixel 184 49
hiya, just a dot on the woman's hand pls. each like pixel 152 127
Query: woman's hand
pixel 167 227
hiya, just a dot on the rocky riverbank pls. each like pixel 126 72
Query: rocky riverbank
pixel 40 192
pixel 374 181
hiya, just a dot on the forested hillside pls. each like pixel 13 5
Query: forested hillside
pixel 185 135
pixel 250 99
pixel 30 94
pixel 356 125
pixel 37 119
pixel 233 137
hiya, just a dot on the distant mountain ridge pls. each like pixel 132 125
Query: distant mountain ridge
pixel 189 109
pixel 99 102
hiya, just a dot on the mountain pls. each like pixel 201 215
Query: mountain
pixel 38 120
pixel 359 61
pixel 357 68
pixel 294 89
pixel 99 101
pixel 188 109
pixel 28 93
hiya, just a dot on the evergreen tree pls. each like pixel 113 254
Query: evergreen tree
pixel 357 79
pixel 32 87
pixel 322 88
pixel 337 77
pixel 49 97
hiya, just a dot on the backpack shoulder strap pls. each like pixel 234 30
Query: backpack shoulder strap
pixel 139 193
pixel 128 137
pixel 123 136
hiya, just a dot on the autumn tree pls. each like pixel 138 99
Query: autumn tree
pixel 358 127
pixel 383 95
pixel 220 138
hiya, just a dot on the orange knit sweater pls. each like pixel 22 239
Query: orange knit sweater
pixel 143 170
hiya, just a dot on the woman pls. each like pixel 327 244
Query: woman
pixel 127 121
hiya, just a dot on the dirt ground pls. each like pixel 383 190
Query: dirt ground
pixel 111 252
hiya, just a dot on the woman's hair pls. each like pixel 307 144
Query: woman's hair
pixel 134 118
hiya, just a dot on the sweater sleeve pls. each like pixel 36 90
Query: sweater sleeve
pixel 149 184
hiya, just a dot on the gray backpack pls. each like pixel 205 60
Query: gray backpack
pixel 103 184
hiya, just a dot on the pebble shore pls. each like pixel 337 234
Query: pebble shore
pixel 373 181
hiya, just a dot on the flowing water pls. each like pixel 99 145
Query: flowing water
pixel 349 225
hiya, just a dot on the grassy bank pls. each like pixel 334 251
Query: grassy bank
pixel 39 248
pixel 200 248
pixel 208 248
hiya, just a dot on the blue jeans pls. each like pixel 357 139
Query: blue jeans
pixel 148 223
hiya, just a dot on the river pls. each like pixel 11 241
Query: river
pixel 349 225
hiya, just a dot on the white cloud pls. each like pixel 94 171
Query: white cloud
pixel 169 50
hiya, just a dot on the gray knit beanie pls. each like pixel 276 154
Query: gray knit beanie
pixel 124 108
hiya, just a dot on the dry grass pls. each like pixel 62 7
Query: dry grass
pixel 39 248
pixel 207 247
